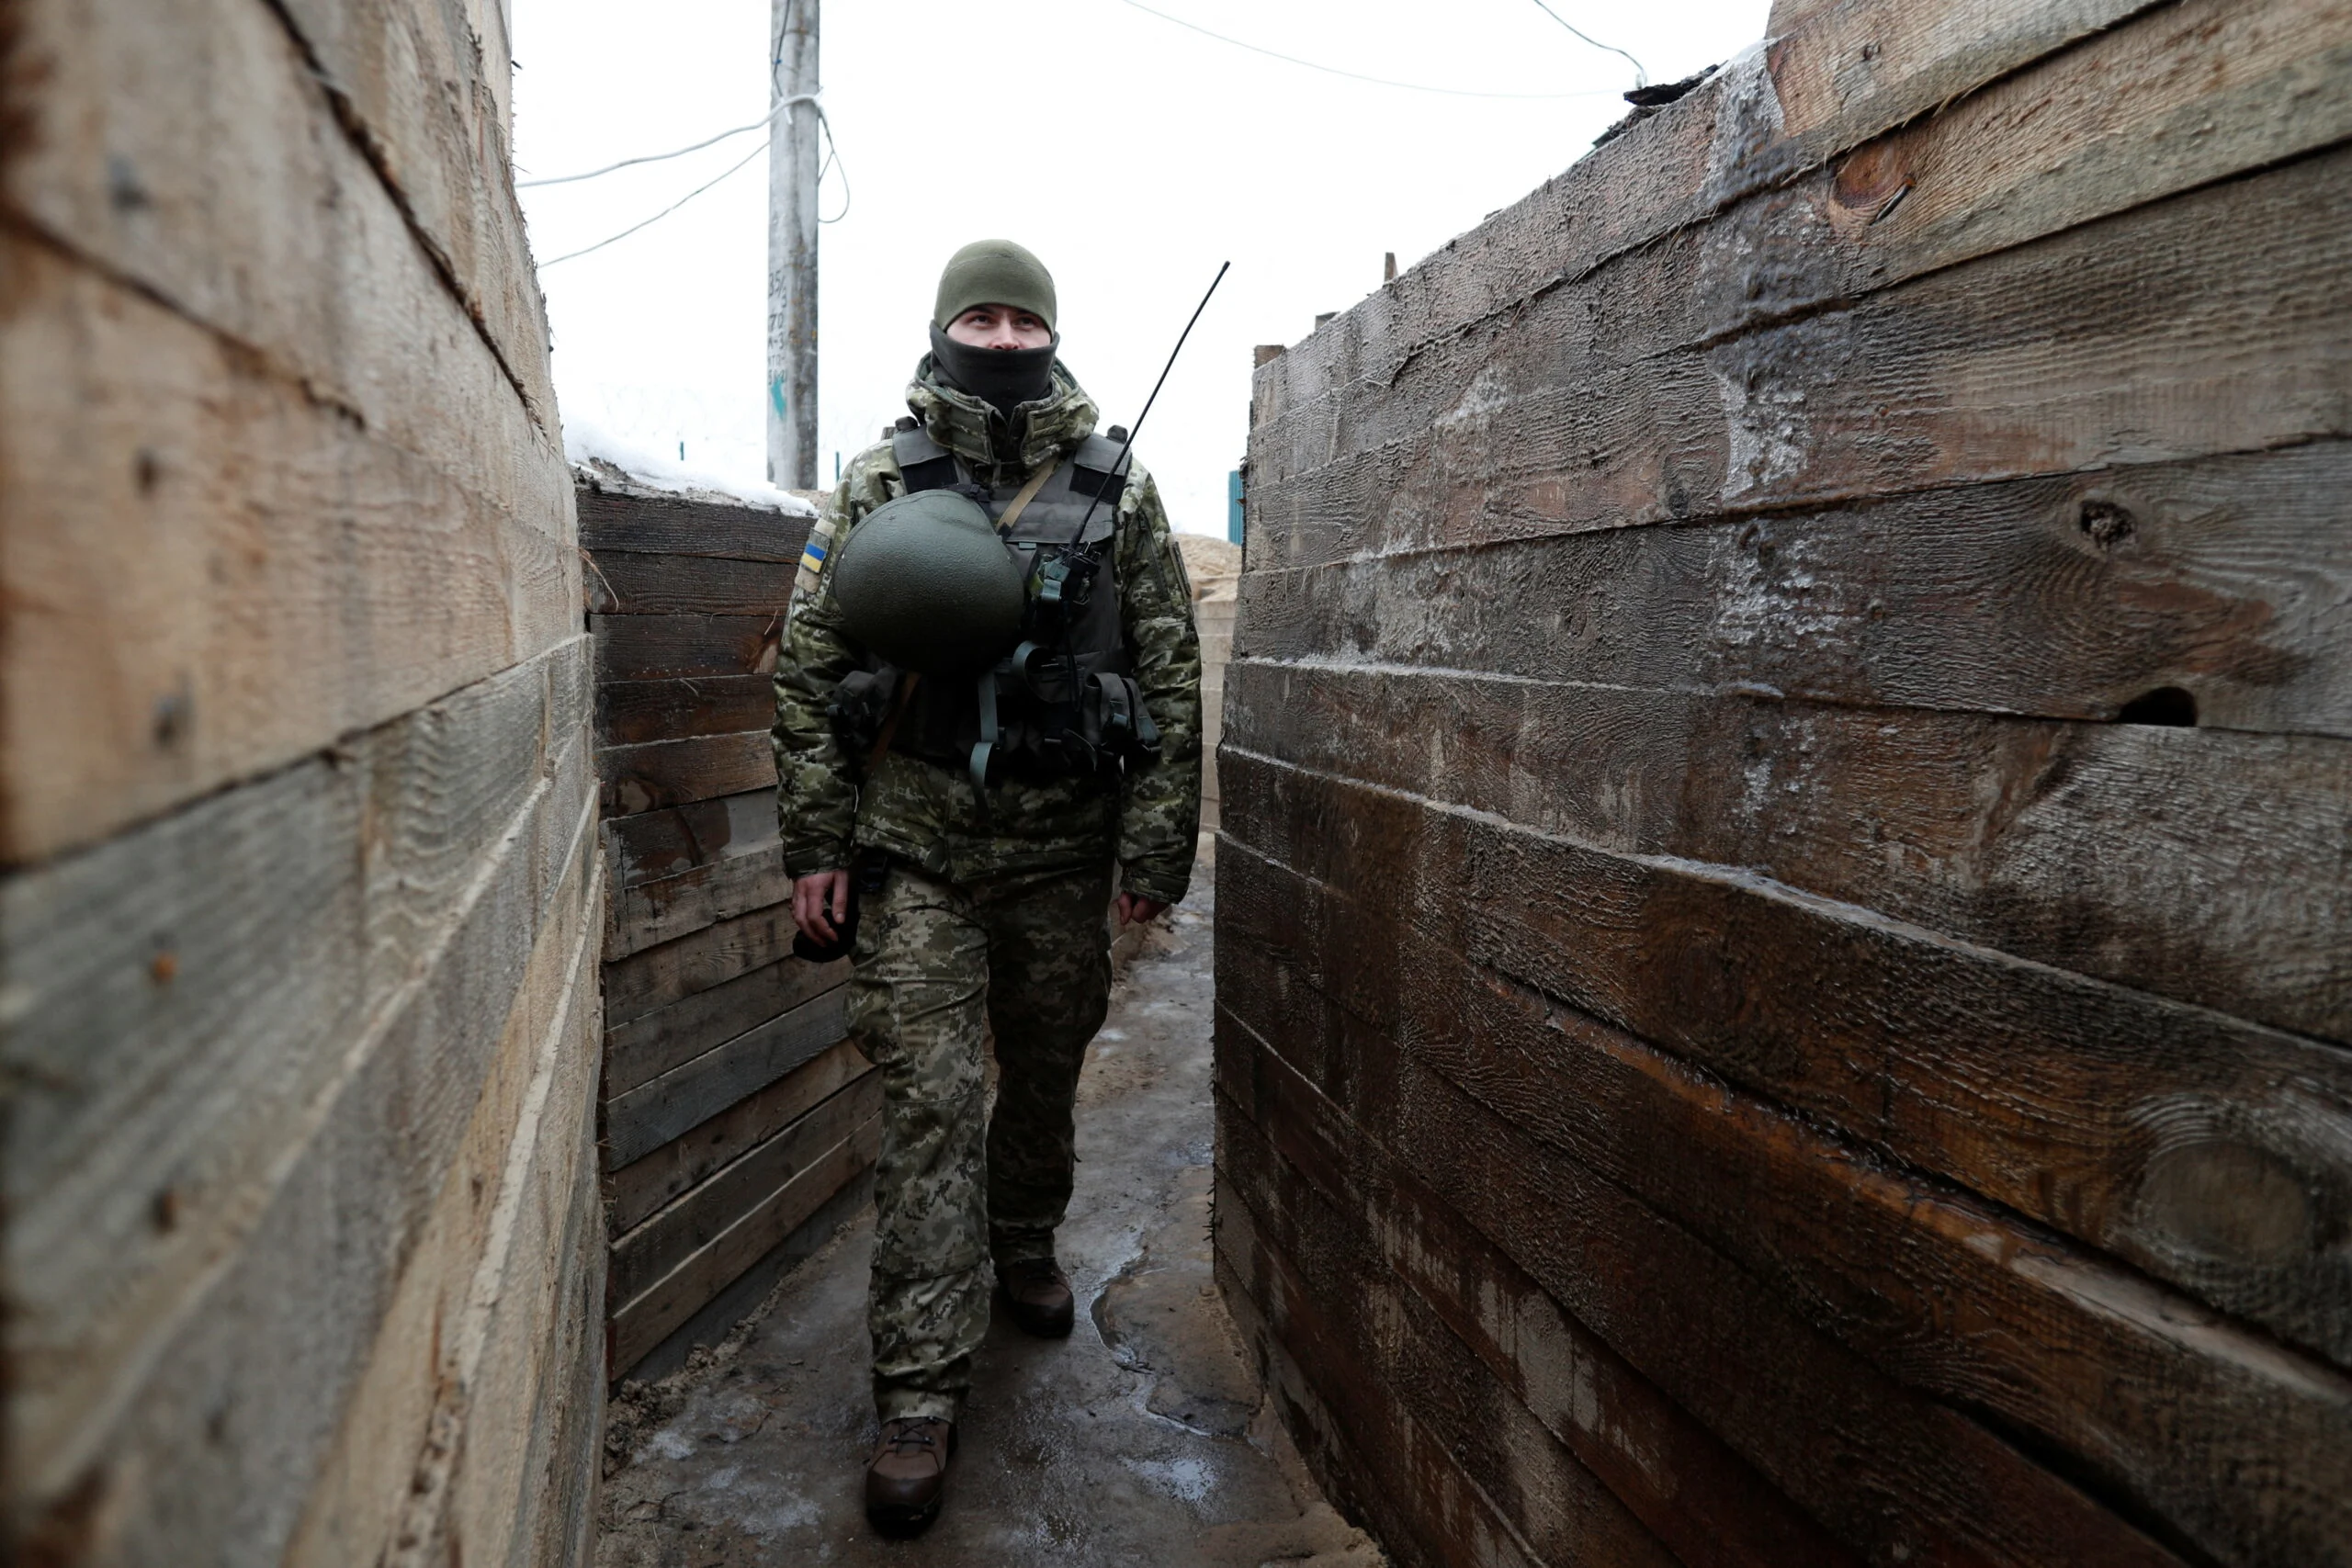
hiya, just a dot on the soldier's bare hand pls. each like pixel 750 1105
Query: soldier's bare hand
pixel 1134 909
pixel 818 901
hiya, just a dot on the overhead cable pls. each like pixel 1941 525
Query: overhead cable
pixel 662 157
pixel 665 213
pixel 1641 75
pixel 1355 75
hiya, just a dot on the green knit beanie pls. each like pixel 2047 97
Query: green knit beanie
pixel 994 272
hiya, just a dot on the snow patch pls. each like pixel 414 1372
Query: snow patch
pixel 598 454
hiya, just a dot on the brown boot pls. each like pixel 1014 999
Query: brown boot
pixel 1040 1296
pixel 908 1476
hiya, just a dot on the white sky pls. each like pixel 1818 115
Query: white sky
pixel 1132 155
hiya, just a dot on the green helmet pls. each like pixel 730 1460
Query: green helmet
pixel 925 583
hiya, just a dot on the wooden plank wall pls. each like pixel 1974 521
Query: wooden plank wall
pixel 739 1124
pixel 1787 868
pixel 301 1258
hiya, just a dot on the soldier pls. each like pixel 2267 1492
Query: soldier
pixel 975 799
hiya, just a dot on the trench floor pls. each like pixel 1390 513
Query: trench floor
pixel 1142 1439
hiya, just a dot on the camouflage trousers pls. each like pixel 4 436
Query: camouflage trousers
pixel 958 1189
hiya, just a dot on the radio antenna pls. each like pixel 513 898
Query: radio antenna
pixel 1118 464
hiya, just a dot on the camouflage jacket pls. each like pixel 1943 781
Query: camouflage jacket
pixel 925 813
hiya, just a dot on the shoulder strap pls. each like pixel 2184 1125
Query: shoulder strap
pixel 1092 471
pixel 1027 493
pixel 924 463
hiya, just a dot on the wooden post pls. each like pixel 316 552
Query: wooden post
pixel 792 249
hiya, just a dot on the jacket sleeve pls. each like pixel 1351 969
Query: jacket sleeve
pixel 816 792
pixel 1159 811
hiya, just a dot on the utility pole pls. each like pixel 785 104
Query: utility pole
pixel 792 248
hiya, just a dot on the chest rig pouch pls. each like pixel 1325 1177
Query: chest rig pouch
pixel 1064 703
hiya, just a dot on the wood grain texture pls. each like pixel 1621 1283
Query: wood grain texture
pixel 1897 1476
pixel 629 713
pixel 654 648
pixel 2142 338
pixel 639 917
pixel 636 1190
pixel 678 772
pixel 166 480
pixel 241 1272
pixel 1785 772
pixel 1373 1461
pixel 631 582
pixel 2103 1112
pixel 496 1304
pixel 648 1251
pixel 2063 598
pixel 199 157
pixel 651 1043
pixel 683 965
pixel 653 845
pixel 2209 1408
pixel 610 520
pixel 1705 1504
pixel 639 1325
pixel 2146 855
pixel 414 87
pixel 641 1120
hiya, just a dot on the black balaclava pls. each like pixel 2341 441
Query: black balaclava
pixel 1001 377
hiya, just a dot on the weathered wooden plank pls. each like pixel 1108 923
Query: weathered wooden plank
pixel 2066 597
pixel 1371 1457
pixel 1701 1505
pixel 2150 856
pixel 649 1250
pixel 195 156
pixel 167 1059
pixel 1896 1475
pixel 1856 71
pixel 674 525
pixel 633 1192
pixel 652 912
pixel 461 1395
pixel 1699 1497
pixel 629 713
pixel 632 583
pixel 529 1144
pixel 2103 1112
pixel 1557 1506
pixel 677 969
pixel 642 1324
pixel 651 1043
pixel 652 845
pixel 653 648
pixel 2145 338
pixel 677 773
pixel 1866 1257
pixel 207 1411
pixel 643 1119
pixel 414 90
pixel 162 478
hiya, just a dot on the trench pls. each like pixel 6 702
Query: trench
pixel 1143 1438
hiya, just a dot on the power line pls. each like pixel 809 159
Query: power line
pixel 1641 75
pixel 661 157
pixel 665 213
pixel 1355 75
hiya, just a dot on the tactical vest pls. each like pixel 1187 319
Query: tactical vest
pixel 1064 703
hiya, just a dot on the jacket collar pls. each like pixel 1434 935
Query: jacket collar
pixel 1051 427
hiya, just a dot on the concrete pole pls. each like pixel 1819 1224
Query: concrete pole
pixel 792 250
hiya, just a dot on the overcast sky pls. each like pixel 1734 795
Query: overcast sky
pixel 1130 153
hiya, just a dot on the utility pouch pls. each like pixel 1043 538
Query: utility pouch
pixel 860 708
